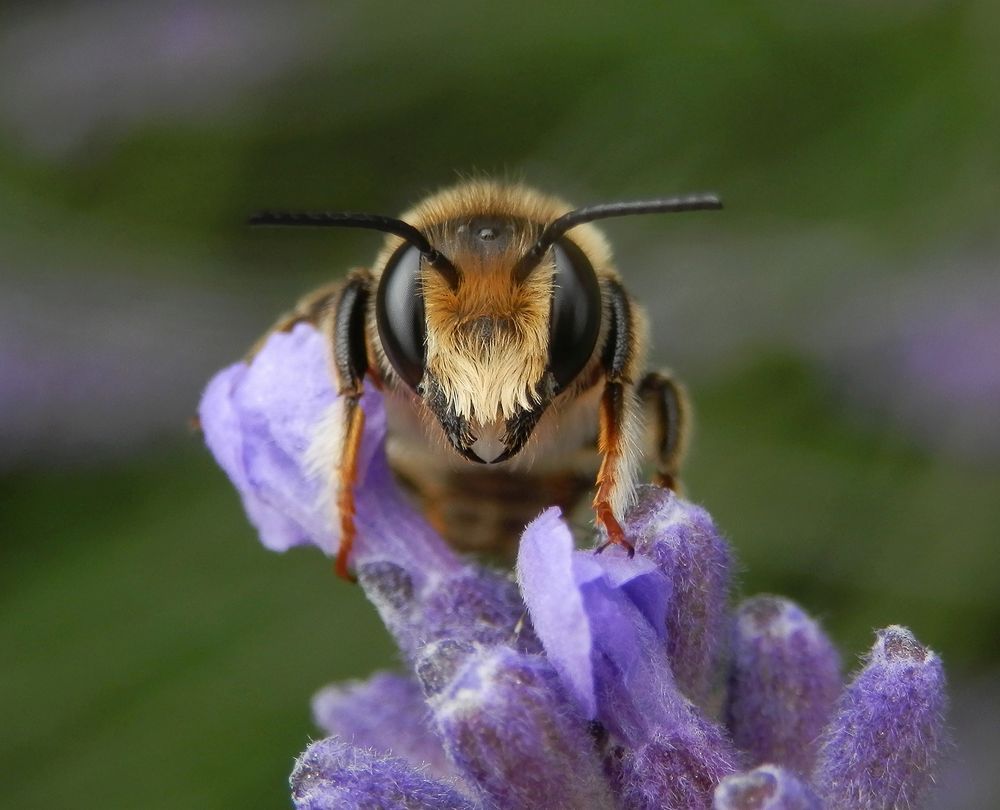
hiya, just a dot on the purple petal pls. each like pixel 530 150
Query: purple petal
pixel 386 713
pixel 478 605
pixel 683 542
pixel 678 768
pixel 390 529
pixel 546 577
pixel 886 742
pixel 471 604
pixel 332 775
pixel 259 421
pixel 642 582
pixel 765 788
pixel 784 681
pixel 279 498
pixel 510 731
pixel 632 682
pixel 611 660
pixel 264 421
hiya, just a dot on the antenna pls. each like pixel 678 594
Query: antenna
pixel 373 222
pixel 555 229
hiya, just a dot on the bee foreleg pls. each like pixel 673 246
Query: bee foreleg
pixel 668 415
pixel 344 323
pixel 618 419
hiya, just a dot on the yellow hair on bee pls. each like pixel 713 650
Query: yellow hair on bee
pixel 488 347
pixel 487 342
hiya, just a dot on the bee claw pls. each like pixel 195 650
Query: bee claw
pixel 616 535
pixel 625 544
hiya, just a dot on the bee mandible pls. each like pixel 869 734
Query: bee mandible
pixel 510 358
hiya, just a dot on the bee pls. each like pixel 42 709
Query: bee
pixel 510 358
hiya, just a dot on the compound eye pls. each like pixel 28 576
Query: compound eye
pixel 576 313
pixel 399 315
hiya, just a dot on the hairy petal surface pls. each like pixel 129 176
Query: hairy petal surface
pixel 420 604
pixel 386 713
pixel 784 681
pixel 885 743
pixel 679 767
pixel 509 729
pixel 332 775
pixel 682 540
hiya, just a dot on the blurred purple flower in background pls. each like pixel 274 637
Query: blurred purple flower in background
pixel 99 364
pixel 180 60
pixel 916 344
pixel 588 683
pixel 923 349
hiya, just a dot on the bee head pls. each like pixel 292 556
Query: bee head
pixel 485 308
pixel 487 355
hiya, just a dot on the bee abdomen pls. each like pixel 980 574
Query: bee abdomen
pixel 486 511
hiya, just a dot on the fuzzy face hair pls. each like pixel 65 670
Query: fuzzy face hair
pixel 487 341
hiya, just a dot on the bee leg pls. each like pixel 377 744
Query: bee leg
pixel 609 445
pixel 618 417
pixel 354 423
pixel 668 410
pixel 343 321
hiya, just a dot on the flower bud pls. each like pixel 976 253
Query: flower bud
pixel 885 742
pixel 679 767
pixel 386 713
pixel 332 775
pixel 683 542
pixel 784 681
pixel 509 730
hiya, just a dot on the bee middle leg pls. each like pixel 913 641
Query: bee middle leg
pixel 609 444
pixel 668 414
pixel 618 419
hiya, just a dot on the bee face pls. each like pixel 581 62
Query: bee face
pixel 487 355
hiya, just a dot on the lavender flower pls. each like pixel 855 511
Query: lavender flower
pixel 784 680
pixel 888 736
pixel 572 687
pixel 511 732
pixel 385 713
pixel 332 775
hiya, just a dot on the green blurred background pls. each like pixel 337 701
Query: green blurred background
pixel 839 326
